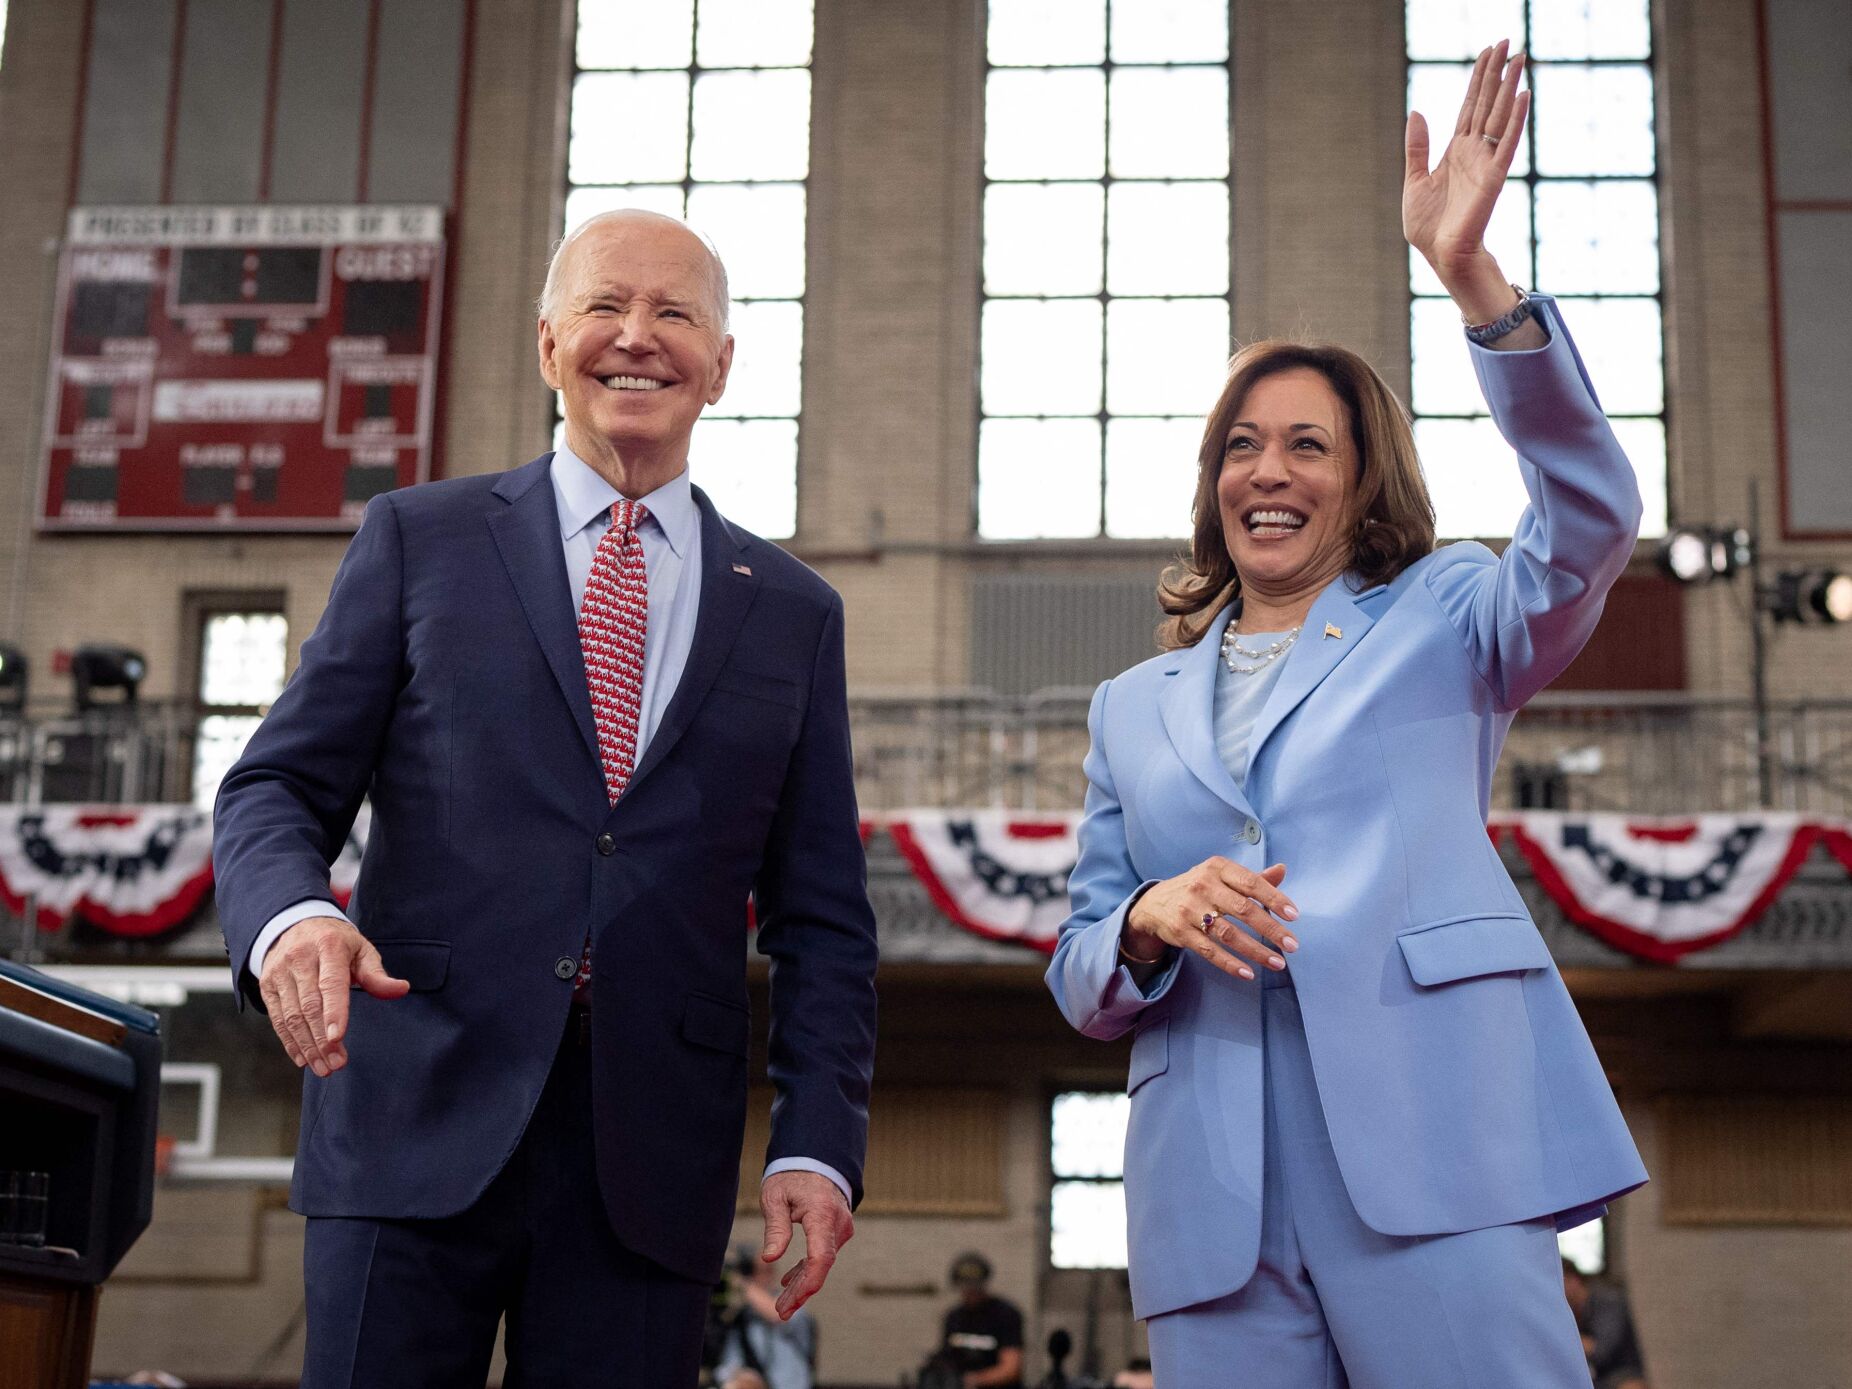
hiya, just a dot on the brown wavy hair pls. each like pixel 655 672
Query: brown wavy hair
pixel 1392 514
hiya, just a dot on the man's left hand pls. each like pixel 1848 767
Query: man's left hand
pixel 813 1201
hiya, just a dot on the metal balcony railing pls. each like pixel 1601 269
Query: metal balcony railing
pixel 1640 754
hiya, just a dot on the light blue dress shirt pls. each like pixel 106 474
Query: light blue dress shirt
pixel 672 559
pixel 1240 698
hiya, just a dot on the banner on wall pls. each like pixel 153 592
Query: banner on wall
pixel 1658 889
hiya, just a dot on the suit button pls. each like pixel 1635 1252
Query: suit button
pixel 606 845
pixel 565 967
pixel 1251 831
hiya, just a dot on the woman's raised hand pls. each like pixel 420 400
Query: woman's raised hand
pixel 1445 211
pixel 1196 911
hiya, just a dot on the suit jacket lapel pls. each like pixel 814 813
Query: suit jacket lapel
pixel 1187 707
pixel 726 594
pixel 1335 625
pixel 526 534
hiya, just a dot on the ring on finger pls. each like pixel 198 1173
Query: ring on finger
pixel 1489 139
pixel 1209 922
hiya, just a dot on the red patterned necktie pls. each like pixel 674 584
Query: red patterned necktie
pixel 613 620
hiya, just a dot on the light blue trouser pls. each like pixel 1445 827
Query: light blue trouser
pixel 1335 1305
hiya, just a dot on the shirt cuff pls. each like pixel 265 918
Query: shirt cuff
pixel 281 922
pixel 804 1164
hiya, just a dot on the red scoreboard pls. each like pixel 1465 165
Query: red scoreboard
pixel 240 368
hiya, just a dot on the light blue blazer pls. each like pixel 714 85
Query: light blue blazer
pixel 1458 1084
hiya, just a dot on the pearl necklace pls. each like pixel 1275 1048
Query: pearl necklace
pixel 1266 656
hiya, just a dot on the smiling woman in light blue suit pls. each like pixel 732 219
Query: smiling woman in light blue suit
pixel 1362 1101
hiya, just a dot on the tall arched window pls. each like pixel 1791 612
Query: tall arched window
pixel 1106 263
pixel 701 109
pixel 1579 221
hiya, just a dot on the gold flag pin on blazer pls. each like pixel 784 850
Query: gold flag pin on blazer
pixel 1334 631
pixel 742 569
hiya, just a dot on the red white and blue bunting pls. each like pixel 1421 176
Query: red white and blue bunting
pixel 1655 888
pixel 133 870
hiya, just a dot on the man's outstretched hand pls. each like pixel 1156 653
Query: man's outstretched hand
pixel 307 975
pixel 813 1201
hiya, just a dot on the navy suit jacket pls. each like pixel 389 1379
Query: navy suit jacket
pixel 445 682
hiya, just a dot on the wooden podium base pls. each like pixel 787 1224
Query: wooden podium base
pixel 46 1332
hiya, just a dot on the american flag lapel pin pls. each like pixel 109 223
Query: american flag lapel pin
pixel 1332 630
pixel 743 569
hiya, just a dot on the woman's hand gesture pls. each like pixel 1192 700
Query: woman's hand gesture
pixel 1445 211
pixel 1198 911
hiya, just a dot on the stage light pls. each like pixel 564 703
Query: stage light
pixel 13 673
pixel 100 667
pixel 1698 554
pixel 1811 596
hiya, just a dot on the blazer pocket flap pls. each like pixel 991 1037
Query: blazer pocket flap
pixel 1150 1054
pixel 716 1024
pixel 774 689
pixel 424 964
pixel 1470 946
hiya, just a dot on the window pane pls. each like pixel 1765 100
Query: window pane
pixel 759 231
pixel 219 743
pixel 1050 32
pixel 1436 91
pixel 629 128
pixel 1586 1246
pixel 1038 479
pixel 1507 237
pixel 1045 125
pixel 767 375
pixel 1042 238
pixel 1165 356
pixel 1591 29
pixel 1170 123
pixel 1473 477
pixel 242 656
pixel 581 203
pixel 1170 31
pixel 1593 120
pixel 1041 358
pixel 1151 477
pixel 1460 28
pixel 1622 344
pixel 1442 368
pixel 749 469
pixel 1086 1225
pixel 1087 1133
pixel 1167 238
pixel 1645 443
pixel 755 33
pixel 752 125
pixel 635 34
pixel 1598 238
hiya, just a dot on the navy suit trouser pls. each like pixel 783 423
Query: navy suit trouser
pixel 1335 1305
pixel 405 1304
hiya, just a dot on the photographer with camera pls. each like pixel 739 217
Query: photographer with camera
pixel 983 1334
pixel 753 1340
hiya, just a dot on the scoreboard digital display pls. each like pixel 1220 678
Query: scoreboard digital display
pixel 240 368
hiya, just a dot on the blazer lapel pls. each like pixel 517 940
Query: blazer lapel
pixel 1335 625
pixel 726 594
pixel 526 534
pixel 1187 707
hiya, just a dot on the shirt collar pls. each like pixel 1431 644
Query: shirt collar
pixel 581 496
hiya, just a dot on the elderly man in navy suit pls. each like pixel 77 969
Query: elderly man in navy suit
pixel 593 717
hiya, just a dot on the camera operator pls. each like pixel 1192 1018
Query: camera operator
pixel 782 1354
pixel 983 1334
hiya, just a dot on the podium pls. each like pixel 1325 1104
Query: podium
pixel 80 1077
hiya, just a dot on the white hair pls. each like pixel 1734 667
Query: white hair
pixel 548 302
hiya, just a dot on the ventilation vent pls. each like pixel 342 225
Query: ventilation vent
pixel 1030 632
